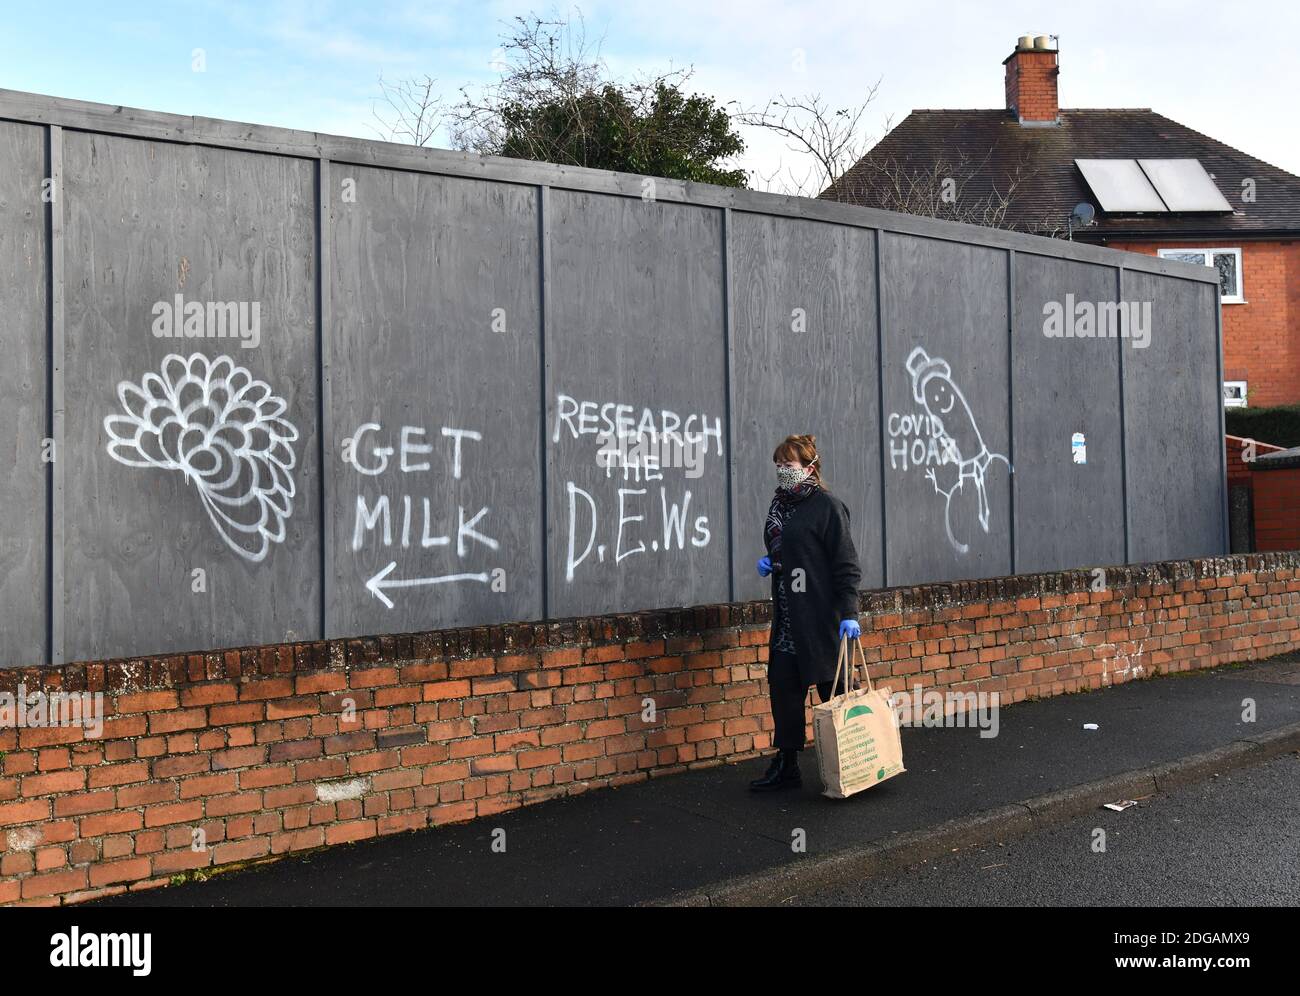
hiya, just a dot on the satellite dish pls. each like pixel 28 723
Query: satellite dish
pixel 1083 214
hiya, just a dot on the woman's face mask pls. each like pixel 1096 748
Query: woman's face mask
pixel 788 477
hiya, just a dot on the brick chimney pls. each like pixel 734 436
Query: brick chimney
pixel 1031 82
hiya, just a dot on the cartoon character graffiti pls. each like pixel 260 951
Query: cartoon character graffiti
pixel 963 446
pixel 223 429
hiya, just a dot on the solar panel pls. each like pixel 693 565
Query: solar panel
pixel 1184 185
pixel 1120 185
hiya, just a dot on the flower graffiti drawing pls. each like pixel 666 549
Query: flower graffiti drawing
pixel 225 431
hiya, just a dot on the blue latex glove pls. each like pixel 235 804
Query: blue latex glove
pixel 764 566
pixel 850 628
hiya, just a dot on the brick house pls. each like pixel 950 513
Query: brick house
pixel 1157 187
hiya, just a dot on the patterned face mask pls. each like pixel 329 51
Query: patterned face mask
pixel 788 477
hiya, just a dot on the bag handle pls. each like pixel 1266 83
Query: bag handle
pixel 845 660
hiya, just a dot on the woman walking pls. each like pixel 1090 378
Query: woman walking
pixel 814 569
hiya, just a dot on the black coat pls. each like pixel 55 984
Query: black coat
pixel 816 537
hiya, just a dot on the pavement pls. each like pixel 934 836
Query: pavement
pixel 701 837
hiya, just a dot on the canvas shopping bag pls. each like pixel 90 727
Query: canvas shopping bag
pixel 856 733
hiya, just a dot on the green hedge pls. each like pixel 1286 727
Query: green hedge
pixel 1279 425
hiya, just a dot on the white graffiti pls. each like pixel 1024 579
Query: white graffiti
pixel 379 582
pixel 370 451
pixel 674 522
pixel 1132 664
pixel 956 432
pixel 224 430
pixel 643 448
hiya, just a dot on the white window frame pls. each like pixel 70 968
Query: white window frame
pixel 1208 251
pixel 1235 404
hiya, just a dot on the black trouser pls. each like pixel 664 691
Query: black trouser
pixel 788 694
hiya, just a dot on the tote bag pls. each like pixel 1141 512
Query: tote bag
pixel 856 733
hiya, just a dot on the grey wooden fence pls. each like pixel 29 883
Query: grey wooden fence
pixel 264 385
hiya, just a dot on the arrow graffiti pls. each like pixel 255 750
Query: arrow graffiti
pixel 379 582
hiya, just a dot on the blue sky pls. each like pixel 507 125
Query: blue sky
pixel 1222 70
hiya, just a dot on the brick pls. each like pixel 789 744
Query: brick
pixel 117 774
pixel 373 677
pixel 437 690
pixel 562 658
pixel 240 757
pixel 147 701
pixel 243 850
pixel 180 719
pixel 177 812
pixel 82 802
pixel 492 763
pixel 17 863
pixel 295 750
pixel 59 781
pixel 182 859
pixel 246 712
pixel 214 693
pixel 101 824
pixel 399 823
pixel 494 685
pixel 326 682
pixel 354 830
pixel 350 742
pixel 53 759
pixel 55 883
pixel 477 667
pixel 171 767
pixel 45 736
pixel 288 708
pixel 387 739
pixel 265 688
pixel 130 870
pixel 230 805
pixel 193 788
pixel 146 793
pixel 59 832
pixel 297 840
pixel 330 767
pixel 538 758
pixel 291 795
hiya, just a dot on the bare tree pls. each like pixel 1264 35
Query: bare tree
pixel 414 112
pixel 954 187
pixel 828 141
pixel 839 162
pixel 540 61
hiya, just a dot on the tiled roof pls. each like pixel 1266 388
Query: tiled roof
pixel 993 144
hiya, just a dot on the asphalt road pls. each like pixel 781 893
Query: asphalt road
pixel 1233 840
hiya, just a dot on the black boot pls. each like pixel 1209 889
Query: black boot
pixel 783 772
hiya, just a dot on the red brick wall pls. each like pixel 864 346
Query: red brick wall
pixel 1239 470
pixel 1261 338
pixel 258 750
pixel 1030 85
pixel 1277 509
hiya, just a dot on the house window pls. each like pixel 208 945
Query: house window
pixel 1234 394
pixel 1226 261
